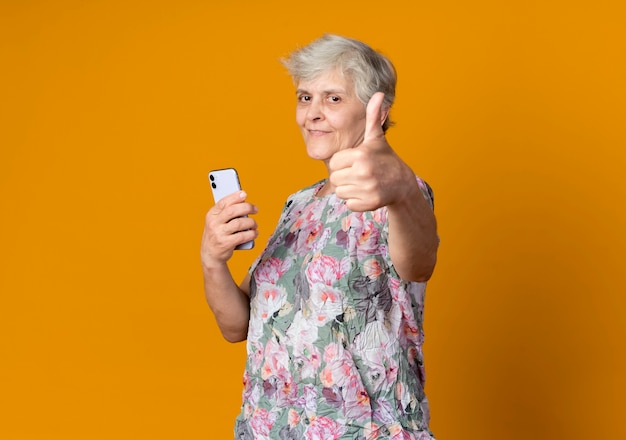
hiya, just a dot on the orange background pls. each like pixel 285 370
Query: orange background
pixel 112 113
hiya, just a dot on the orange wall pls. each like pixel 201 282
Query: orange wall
pixel 112 112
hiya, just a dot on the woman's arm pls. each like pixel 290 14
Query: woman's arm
pixel 225 227
pixel 230 303
pixel 413 239
pixel 371 176
pixel 378 178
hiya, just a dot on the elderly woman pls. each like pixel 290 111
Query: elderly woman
pixel 332 308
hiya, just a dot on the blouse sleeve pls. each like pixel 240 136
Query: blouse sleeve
pixel 427 191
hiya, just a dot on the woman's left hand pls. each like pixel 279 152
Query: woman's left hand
pixel 370 175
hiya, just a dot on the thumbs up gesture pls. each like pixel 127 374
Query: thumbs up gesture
pixel 370 175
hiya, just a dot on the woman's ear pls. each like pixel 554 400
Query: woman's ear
pixel 384 114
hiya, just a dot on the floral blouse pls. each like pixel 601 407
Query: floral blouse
pixel 335 336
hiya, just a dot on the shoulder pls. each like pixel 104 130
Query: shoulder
pixel 305 194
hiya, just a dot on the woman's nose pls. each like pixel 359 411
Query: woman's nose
pixel 315 110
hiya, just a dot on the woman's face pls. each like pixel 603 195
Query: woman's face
pixel 329 114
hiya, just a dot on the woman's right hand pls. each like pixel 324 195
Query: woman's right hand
pixel 225 227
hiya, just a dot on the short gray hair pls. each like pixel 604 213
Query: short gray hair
pixel 370 71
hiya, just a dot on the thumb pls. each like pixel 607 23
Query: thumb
pixel 374 117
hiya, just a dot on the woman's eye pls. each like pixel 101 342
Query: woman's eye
pixel 334 98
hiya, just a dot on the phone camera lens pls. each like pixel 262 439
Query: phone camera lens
pixel 211 177
pixel 213 185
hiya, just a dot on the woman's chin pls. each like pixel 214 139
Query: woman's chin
pixel 316 155
pixel 319 154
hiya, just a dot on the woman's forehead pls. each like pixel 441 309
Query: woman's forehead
pixel 331 81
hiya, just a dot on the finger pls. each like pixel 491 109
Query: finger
pixel 224 214
pixel 236 197
pixel 342 177
pixel 245 236
pixel 237 210
pixel 357 205
pixel 373 117
pixel 239 224
pixel 342 159
pixel 347 191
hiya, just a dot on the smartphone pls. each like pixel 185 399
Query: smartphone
pixel 225 182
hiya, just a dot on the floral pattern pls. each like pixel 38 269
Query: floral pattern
pixel 335 336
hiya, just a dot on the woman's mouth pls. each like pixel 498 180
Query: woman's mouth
pixel 317 133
